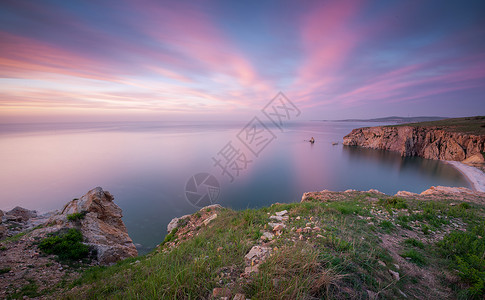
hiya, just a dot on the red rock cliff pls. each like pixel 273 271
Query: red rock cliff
pixel 425 142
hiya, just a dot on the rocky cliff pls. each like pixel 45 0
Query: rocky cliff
pixel 427 142
pixel 101 225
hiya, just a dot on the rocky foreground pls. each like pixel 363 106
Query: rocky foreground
pixel 333 245
pixel 23 264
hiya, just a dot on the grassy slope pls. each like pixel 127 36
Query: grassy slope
pixel 471 125
pixel 363 236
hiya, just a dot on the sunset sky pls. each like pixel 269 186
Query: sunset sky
pixel 223 60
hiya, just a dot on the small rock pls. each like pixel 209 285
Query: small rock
pixel 221 292
pixel 209 219
pixel 268 235
pixel 278 227
pixel 281 213
pixel 251 269
pixel 301 238
pixel 298 218
pixel 239 297
pixel 257 252
pixel 279 218
pixel 307 229
pixel 381 263
pixel 319 236
pixel 299 230
pixel 394 274
pixel 397 266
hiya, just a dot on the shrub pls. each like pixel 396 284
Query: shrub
pixel 170 237
pixel 67 245
pixel 467 250
pixel 394 202
pixel 414 242
pixel 415 257
pixel 77 216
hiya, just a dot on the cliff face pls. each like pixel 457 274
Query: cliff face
pixel 431 143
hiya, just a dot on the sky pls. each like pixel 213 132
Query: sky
pixel 224 60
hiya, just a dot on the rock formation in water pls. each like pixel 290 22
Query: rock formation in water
pixel 427 142
pixel 101 225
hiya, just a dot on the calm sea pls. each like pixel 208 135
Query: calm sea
pixel 146 166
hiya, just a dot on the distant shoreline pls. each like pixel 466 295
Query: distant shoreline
pixel 474 175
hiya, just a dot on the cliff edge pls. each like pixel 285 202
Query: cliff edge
pixel 433 140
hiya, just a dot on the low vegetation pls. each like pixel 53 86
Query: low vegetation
pixel 66 244
pixel 470 125
pixel 351 248
pixel 77 216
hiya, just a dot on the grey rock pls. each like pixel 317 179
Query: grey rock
pixel 22 213
pixel 102 226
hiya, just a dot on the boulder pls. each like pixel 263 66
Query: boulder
pixel 21 213
pixel 3 231
pixel 175 223
pixel 102 226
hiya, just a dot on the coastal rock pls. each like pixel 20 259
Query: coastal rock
pixel 175 222
pixel 21 213
pixel 101 226
pixel 3 231
pixel 427 142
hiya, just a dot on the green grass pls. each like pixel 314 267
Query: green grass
pixel 341 263
pixel 5 270
pixel 466 250
pixel 66 244
pixel 415 256
pixel 29 290
pixel 414 243
pixel 77 216
pixel 470 125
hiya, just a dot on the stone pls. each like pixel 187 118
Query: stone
pixel 251 269
pixel 209 219
pixel 102 226
pixel 397 266
pixel 281 213
pixel 307 229
pixel 257 252
pixel 402 293
pixel 298 218
pixel 174 223
pixel 381 263
pixel 279 218
pixel 221 292
pixel 239 297
pixel 394 274
pixel 268 235
pixel 280 225
pixel 3 231
pixel 21 213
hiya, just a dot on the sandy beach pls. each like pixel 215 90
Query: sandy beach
pixel 474 175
